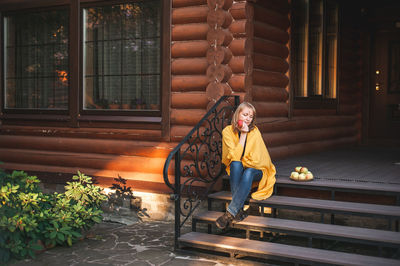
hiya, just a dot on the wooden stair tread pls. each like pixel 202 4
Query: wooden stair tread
pixel 333 206
pixel 335 231
pixel 320 183
pixel 268 249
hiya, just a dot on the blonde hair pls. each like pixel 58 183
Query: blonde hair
pixel 240 108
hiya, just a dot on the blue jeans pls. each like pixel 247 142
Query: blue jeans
pixel 241 180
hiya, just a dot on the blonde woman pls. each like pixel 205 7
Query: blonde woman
pixel 247 160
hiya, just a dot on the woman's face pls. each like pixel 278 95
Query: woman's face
pixel 246 115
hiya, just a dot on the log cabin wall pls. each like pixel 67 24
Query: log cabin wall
pixel 218 47
pixel 56 146
pixel 189 65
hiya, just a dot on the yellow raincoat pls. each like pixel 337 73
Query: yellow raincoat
pixel 256 156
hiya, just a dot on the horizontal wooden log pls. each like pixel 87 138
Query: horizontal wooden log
pixel 120 166
pixel 241 46
pixel 222 4
pixel 83 160
pixel 269 94
pixel 242 28
pixel 241 10
pixel 349 109
pixel 219 37
pixel 271 17
pixel 270 48
pixel 273 109
pixel 219 18
pixel 82 145
pixel 270 79
pixel 241 64
pixel 314 112
pixel 278 124
pixel 220 73
pixel 186 32
pixel 186 83
pixel 218 55
pixel 281 6
pixel 350 98
pixel 193 14
pixel 189 49
pixel 282 152
pixel 307 135
pixel 268 32
pixel 84 132
pixel 270 63
pixel 180 100
pixel 148 182
pixel 187 117
pixel 178 132
pixel 237 82
pixel 184 3
pixel 189 66
pixel 216 90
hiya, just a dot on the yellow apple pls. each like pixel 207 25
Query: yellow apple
pixel 302 176
pixel 294 175
pixel 304 170
pixel 309 175
pixel 297 169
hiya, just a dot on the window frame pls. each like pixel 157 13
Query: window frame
pixel 75 115
pixel 312 101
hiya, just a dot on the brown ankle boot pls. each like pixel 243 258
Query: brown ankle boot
pixel 224 220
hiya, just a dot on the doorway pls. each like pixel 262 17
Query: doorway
pixel 384 111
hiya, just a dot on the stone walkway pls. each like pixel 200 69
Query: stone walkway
pixel 142 243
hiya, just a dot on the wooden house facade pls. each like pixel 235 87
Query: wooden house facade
pixel 110 87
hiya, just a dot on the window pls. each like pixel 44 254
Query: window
pixel 314 56
pixel 36 60
pixel 86 63
pixel 121 60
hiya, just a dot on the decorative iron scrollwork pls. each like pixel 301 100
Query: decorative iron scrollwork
pixel 198 158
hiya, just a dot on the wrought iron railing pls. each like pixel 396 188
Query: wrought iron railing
pixel 198 163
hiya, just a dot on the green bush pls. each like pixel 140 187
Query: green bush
pixel 31 220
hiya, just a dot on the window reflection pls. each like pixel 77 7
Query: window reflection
pixel 36 60
pixel 314 48
pixel 122 56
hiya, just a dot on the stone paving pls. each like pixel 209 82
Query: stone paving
pixel 141 243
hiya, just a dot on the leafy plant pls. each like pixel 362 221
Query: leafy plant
pixel 125 194
pixel 122 191
pixel 31 221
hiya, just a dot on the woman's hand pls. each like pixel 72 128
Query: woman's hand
pixel 244 128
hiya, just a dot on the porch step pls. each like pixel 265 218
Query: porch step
pixel 334 185
pixel 308 229
pixel 342 186
pixel 268 250
pixel 323 206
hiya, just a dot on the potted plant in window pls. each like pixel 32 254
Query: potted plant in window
pixel 114 105
pixel 138 103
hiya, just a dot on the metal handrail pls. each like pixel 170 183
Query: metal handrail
pixel 204 146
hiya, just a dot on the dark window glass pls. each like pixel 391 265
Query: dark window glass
pixel 122 56
pixel 314 48
pixel 36 60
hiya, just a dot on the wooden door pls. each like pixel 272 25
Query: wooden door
pixel 384 109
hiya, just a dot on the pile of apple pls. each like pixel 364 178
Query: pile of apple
pixel 301 174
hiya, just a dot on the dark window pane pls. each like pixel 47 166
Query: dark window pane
pixel 122 56
pixel 300 47
pixel 331 49
pixel 315 47
pixel 36 65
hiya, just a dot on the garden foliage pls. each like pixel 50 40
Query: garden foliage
pixel 31 220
